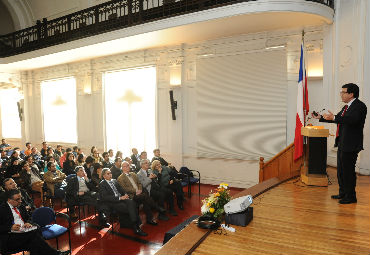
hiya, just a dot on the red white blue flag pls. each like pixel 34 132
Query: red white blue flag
pixel 302 107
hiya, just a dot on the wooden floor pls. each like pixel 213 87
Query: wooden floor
pixel 296 219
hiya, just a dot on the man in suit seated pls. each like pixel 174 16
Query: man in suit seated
pixel 116 168
pixel 135 157
pixel 149 182
pixel 79 190
pixel 55 180
pixel 27 202
pixel 130 183
pixel 157 156
pixel 14 220
pixel 112 196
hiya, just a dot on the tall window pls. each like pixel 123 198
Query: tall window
pixel 10 122
pixel 59 110
pixel 130 109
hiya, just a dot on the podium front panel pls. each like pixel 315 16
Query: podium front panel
pixel 317 155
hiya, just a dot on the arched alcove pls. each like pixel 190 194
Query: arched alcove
pixel 20 13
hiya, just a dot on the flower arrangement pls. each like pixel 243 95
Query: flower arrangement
pixel 213 205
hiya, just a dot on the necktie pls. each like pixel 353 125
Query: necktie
pixel 116 193
pixel 17 212
pixel 344 111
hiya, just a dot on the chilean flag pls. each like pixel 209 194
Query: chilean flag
pixel 302 107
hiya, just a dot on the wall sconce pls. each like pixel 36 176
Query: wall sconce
pixel 87 88
pixel 175 75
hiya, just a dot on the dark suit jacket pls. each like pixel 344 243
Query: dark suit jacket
pixel 135 161
pixel 7 219
pixel 115 171
pixel 162 160
pixel 73 187
pixel 106 194
pixel 351 134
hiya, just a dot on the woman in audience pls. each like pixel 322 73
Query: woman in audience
pixel 14 170
pixel 64 156
pixel 119 154
pixel 69 165
pixel 80 159
pixel 111 155
pixel 165 180
pixel 96 176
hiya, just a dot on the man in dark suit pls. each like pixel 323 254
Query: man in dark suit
pixel 116 168
pixel 14 220
pixel 135 157
pixel 79 191
pixel 112 196
pixel 349 140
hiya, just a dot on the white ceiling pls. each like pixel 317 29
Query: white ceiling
pixel 191 33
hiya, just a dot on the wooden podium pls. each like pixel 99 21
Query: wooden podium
pixel 313 171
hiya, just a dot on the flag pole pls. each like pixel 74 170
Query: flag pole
pixel 304 81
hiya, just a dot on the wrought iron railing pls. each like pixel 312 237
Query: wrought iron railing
pixel 112 15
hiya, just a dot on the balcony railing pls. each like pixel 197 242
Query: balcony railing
pixel 112 15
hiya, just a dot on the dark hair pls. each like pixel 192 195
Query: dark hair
pixel 49 164
pixel 24 162
pixel 96 166
pixel 27 143
pixel 143 152
pixel 92 149
pixel 80 158
pixel 105 154
pixel 10 193
pixel 43 143
pixel 78 168
pixel 5 181
pixel 118 153
pixel 116 159
pixel 352 88
pixel 75 147
pixel 89 160
pixel 68 150
pixel 58 145
pixel 155 150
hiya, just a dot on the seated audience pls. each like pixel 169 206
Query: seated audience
pixel 135 157
pixel 106 161
pixel 14 169
pixel 37 159
pixel 55 181
pixel 157 156
pixel 89 166
pixel 4 145
pixel 43 149
pixel 14 217
pixel 31 177
pixel 96 176
pixel 132 166
pixel 75 151
pixel 64 156
pixel 111 155
pixel 27 202
pixel 96 156
pixel 28 149
pixel 80 160
pixel 80 191
pixel 130 183
pixel 159 194
pixel 167 181
pixel 116 168
pixel 58 153
pixel 51 159
pixel 112 196
pixel 69 165
pixel 119 154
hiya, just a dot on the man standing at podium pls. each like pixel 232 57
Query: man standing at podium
pixel 349 140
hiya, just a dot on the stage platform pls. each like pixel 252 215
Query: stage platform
pixel 290 218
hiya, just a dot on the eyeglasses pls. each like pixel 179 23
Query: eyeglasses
pixel 343 92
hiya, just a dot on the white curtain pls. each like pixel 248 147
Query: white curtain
pixel 59 110
pixel 130 109
pixel 241 105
